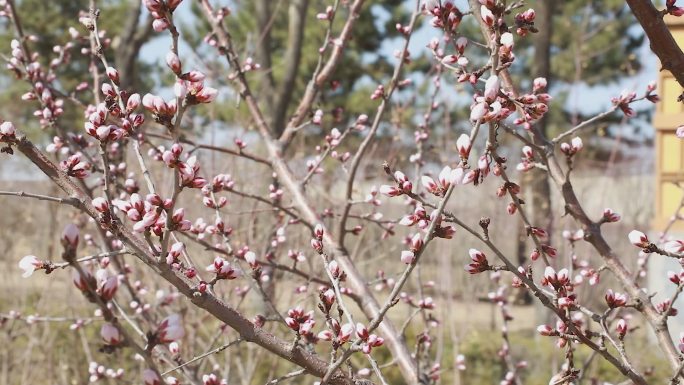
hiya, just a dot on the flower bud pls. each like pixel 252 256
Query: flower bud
pixel 113 75
pixel 174 63
pixel 110 334
pixel 101 205
pixel 639 239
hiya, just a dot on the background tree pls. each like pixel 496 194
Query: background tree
pixel 578 42
pixel 51 22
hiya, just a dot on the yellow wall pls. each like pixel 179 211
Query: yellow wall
pixel 669 93
pixel 669 149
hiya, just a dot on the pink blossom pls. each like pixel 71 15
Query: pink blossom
pixel 170 329
pixel 539 84
pixel 173 61
pixel 81 282
pixel 174 348
pixel 679 132
pixel 675 246
pixel 150 377
pixel 7 130
pixel 639 239
pixel 615 299
pixel 463 145
pixel 110 334
pixel 101 205
pixel 507 40
pixel 487 15
pixel 621 327
pixel 610 216
pixel 674 277
pixel 70 236
pixel 109 287
pixel 672 9
pixel 133 102
pixel 492 87
pixel 545 330
pixel 478 111
pixel 113 74
pixel 479 262
pixel 390 191
pixel 407 257
pixel 29 264
pixel 346 332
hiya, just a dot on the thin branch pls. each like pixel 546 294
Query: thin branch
pixel 203 355
pixel 66 201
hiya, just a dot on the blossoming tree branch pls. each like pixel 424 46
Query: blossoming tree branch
pixel 105 171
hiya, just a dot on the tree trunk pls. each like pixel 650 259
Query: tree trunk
pixel 127 46
pixel 295 39
pixel 263 48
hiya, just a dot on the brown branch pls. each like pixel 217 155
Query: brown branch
pixel 322 74
pixel 66 201
pixel 240 153
pixel 222 311
pixel 369 304
pixel 661 41
pixel 593 234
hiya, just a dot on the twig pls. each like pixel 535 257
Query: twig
pixel 203 355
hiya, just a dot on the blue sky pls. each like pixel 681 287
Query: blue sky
pixel 587 99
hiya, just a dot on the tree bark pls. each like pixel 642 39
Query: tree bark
pixel 297 23
pixel 207 301
pixel 129 45
pixel 661 41
pixel 264 46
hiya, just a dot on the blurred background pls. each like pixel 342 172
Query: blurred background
pixel 592 51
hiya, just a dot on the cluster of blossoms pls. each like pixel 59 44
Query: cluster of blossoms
pixel 149 214
pixel 572 148
pixel 301 322
pixel 190 88
pixel 97 126
pixel 368 341
pixel 51 107
pixel 478 262
pixel 221 182
pixel 488 107
pixel 445 15
pixel 118 104
pixel 561 284
pixel 98 372
pixel 446 178
pixel 535 104
pixel 75 166
pixel 524 22
pixel 222 269
pixel 623 102
pixel 527 161
pixel 162 111
pixel 626 98
pixel 188 170
pixel 161 11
